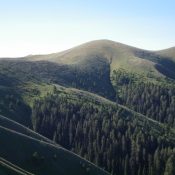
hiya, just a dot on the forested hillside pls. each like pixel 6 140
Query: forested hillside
pixel 155 99
pixel 110 103
pixel 117 139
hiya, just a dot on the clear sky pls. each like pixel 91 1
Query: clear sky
pixel 46 26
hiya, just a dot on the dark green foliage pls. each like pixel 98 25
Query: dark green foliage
pixel 105 134
pixel 157 101
pixel 170 165
pixel 12 106
pixel 88 76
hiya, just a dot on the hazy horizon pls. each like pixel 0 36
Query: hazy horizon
pixel 47 26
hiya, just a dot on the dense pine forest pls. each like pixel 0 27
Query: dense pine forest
pixel 154 99
pixel 105 134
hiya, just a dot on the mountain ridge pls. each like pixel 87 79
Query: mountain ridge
pixel 115 54
pixel 97 41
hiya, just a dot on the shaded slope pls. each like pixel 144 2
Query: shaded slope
pixel 7 168
pixel 103 132
pixel 93 67
pixel 84 98
pixel 26 143
pixel 39 157
pixel 170 53
pixel 89 76
pixel 13 125
pixel 117 55
pixel 12 104
pixel 89 66
pixel 164 61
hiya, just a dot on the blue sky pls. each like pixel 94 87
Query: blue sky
pixel 45 26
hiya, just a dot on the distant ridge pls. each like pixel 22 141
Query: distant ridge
pixel 117 55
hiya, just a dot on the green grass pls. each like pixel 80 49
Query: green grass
pixel 50 158
pixel 116 54
pixel 32 91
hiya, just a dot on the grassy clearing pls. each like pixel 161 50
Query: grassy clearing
pixel 32 91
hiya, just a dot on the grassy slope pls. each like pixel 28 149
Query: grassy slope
pixel 89 66
pixel 52 158
pixel 89 76
pixel 13 125
pixel 170 53
pixel 16 100
pixel 117 55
